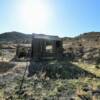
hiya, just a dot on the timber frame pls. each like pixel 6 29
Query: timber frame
pixel 40 42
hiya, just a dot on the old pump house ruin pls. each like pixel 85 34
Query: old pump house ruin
pixel 46 46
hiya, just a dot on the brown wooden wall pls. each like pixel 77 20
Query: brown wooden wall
pixel 39 48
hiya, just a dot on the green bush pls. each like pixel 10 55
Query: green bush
pixel 98 60
pixel 98 63
pixel 97 66
pixel 22 52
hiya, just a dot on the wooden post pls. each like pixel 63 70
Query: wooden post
pixel 17 51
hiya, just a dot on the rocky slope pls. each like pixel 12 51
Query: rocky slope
pixel 21 37
pixel 15 37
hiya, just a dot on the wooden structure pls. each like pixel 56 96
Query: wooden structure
pixel 41 41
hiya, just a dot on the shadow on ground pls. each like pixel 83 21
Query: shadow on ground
pixel 54 69
pixel 5 66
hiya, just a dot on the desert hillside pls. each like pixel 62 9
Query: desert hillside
pixel 15 37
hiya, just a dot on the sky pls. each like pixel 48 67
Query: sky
pixel 53 17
